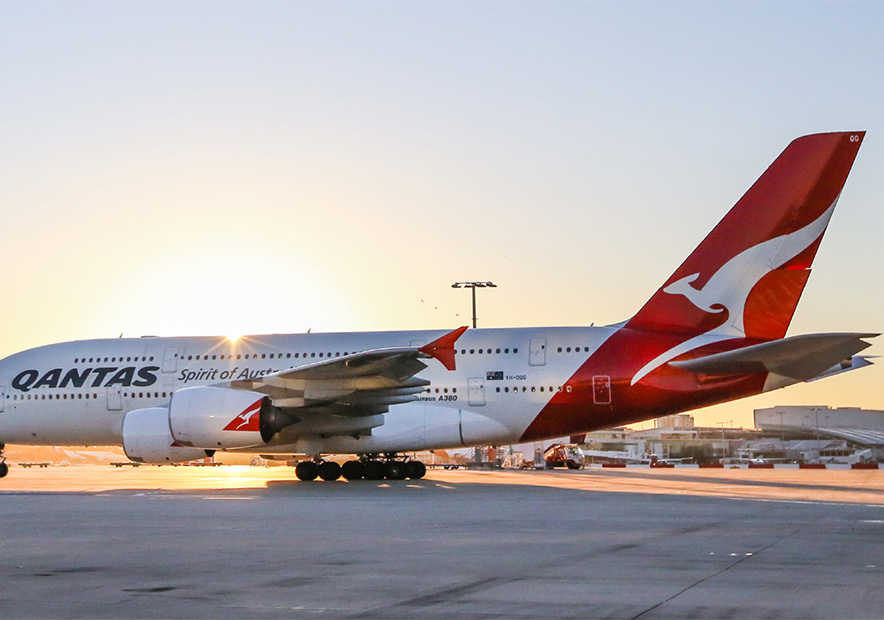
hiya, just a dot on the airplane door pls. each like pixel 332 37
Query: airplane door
pixel 2 396
pixel 537 352
pixel 170 359
pixel 114 398
pixel 477 392
pixel 601 390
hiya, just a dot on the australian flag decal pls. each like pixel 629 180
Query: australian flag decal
pixel 494 375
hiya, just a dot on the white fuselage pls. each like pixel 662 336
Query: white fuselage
pixel 77 393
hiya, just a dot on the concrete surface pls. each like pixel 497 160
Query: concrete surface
pixel 254 543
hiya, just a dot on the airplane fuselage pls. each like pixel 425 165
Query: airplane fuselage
pixel 77 393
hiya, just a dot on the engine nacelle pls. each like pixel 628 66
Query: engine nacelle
pixel 147 439
pixel 213 418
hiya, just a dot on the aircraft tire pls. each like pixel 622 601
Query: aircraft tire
pixel 415 470
pixel 352 470
pixel 395 470
pixel 329 470
pixel 4 469
pixel 373 470
pixel 307 471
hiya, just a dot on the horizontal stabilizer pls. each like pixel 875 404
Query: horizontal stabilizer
pixel 799 357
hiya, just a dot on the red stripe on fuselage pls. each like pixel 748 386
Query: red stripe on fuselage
pixel 665 390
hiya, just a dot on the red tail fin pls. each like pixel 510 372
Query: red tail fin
pixel 746 277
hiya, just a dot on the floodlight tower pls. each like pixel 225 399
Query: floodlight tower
pixel 474 286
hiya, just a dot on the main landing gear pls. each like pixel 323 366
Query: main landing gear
pixel 370 468
pixel 4 468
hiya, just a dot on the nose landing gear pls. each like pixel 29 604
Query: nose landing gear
pixel 4 468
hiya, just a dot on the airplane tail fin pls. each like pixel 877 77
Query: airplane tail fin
pixel 746 277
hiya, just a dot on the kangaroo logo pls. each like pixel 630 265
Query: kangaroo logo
pixel 248 420
pixel 729 287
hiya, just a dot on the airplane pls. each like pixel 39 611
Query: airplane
pixel 715 331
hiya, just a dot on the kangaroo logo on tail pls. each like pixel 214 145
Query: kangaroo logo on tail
pixel 729 287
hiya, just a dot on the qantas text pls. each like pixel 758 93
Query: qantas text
pixel 130 376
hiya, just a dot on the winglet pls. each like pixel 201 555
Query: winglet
pixel 443 348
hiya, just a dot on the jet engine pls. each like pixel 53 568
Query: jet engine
pixel 146 438
pixel 213 418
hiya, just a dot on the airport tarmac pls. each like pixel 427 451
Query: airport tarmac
pixel 239 542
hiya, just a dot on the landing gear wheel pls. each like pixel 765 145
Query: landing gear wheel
pixel 395 470
pixel 415 470
pixel 4 469
pixel 373 470
pixel 329 470
pixel 352 470
pixel 307 471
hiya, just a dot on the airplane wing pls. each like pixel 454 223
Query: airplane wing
pixel 804 358
pixel 356 385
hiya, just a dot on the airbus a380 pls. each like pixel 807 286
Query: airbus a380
pixel 713 332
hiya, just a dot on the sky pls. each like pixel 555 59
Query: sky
pixel 205 168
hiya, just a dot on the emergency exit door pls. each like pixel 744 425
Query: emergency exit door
pixel 477 392
pixel 601 390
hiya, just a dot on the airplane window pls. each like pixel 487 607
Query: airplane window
pixel 437 390
pixel 75 360
pixel 288 355
pixel 214 357
pixel 445 390
pixel 506 389
pixel 313 355
pixel 559 350
pixel 506 350
pixel 271 356
pixel 533 389
pixel 568 388
pixel 463 351
pixel 515 350
pixel 263 356
pixel 472 351
pixel 568 349
pixel 151 358
pixel 498 389
pixel 541 388
pixel 480 351
pixel 320 355
pixel 497 351
pixel 524 388
pixel 551 389
pixel 454 390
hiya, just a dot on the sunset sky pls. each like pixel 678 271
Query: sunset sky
pixel 178 168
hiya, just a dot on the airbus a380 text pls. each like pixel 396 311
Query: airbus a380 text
pixel 713 332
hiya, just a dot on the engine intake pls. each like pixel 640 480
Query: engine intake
pixel 147 439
